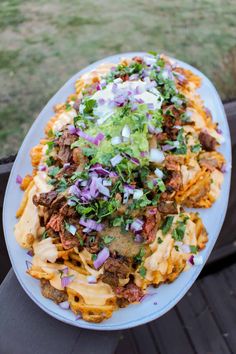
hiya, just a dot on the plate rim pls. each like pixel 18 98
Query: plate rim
pixel 191 280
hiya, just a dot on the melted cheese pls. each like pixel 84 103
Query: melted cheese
pixel 190 234
pixel 64 118
pixel 217 180
pixel 219 138
pixel 93 294
pixel 46 250
pixel 189 171
pixel 29 221
pixel 197 119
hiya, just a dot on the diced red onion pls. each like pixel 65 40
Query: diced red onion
pixel 72 229
pixel 137 225
pixel 91 224
pixel 156 155
pixel 139 90
pixel 99 169
pixel 102 189
pixel 191 261
pixel 185 249
pixel 197 260
pixel 30 253
pixel 42 168
pixel 114 88
pixel 143 153
pixel 65 270
pixel 64 305
pixel 116 159
pixel 116 140
pixel 66 165
pixel 65 281
pixel 113 174
pixel 219 131
pixel 133 77
pixel 72 129
pixel 132 159
pixel 19 179
pixel 118 80
pixel 84 183
pixel 91 279
pixel 101 101
pixel 95 141
pixel 138 238
pixel 150 106
pixel 167 147
pixel 107 183
pixel 138 193
pixel 159 173
pixel 74 190
pixel 98 87
pixel 151 129
pixel 101 257
pixel 139 100
pixel 125 131
pixel 71 202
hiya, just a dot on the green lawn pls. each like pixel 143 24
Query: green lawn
pixel 43 43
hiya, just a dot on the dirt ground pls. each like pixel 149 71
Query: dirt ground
pixel 43 43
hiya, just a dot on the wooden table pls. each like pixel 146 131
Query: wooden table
pixel 204 321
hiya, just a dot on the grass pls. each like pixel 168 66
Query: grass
pixel 43 43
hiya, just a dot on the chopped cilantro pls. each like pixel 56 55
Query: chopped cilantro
pixel 81 241
pixel 139 257
pixel 108 239
pixel 53 171
pixel 176 248
pixel 93 257
pixel 50 145
pixel 167 224
pixel 193 249
pixel 89 105
pixel 159 240
pixel 50 161
pixel 89 151
pixel 118 221
pixel 161 185
pixel 62 185
pixel 68 107
pixel 178 233
pixel 196 148
pixel 75 144
pixel 142 271
pixel 44 235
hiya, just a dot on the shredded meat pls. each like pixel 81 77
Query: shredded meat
pixel 55 222
pixel 79 158
pixel 211 160
pixel 175 181
pixel 161 137
pixel 64 142
pixel 58 202
pixel 44 199
pixel 92 244
pixel 68 240
pixel 118 266
pixel 130 292
pixel 110 278
pixel 52 293
pixel 167 207
pixel 207 141
pixel 151 224
pixel 173 162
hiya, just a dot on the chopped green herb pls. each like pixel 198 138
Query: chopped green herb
pixel 93 257
pixel 167 224
pixel 139 257
pixel 44 235
pixel 178 233
pixel 50 145
pixel 53 171
pixel 161 185
pixel 108 239
pixel 50 161
pixel 193 249
pixel 68 107
pixel 142 271
pixel 89 105
pixel 62 185
pixel 176 248
pixel 159 240
pixel 118 221
pixel 196 148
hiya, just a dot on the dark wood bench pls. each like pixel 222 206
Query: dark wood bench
pixel 202 322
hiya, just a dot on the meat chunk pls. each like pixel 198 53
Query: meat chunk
pixel 152 222
pixel 175 181
pixel 68 240
pixel 167 207
pixel 64 142
pixel 130 292
pixel 55 222
pixel 207 141
pixel 211 160
pixel 79 159
pixel 118 266
pixel 92 244
pixel 161 137
pixel 58 202
pixel 44 199
pixel 52 293
pixel 173 162
pixel 110 278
